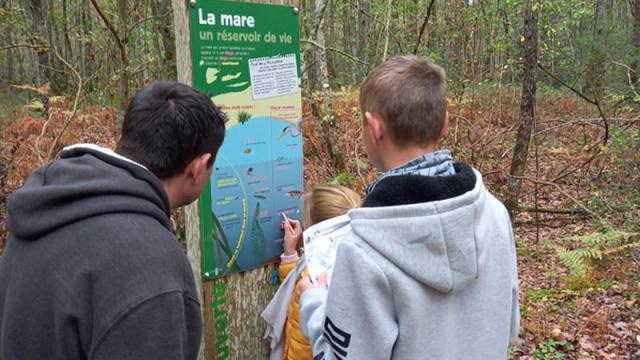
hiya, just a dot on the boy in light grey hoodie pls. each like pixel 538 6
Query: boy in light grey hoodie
pixel 429 268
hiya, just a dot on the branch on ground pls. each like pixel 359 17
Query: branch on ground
pixel 563 192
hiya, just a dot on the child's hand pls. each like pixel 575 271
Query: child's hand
pixel 292 236
pixel 306 284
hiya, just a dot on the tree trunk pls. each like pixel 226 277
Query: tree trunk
pixel 596 70
pixel 433 32
pixel 168 38
pixel 237 299
pixel 161 10
pixel 37 13
pixel 59 75
pixel 527 109
pixel 386 31
pixel 192 221
pixel 353 39
pixel 68 54
pixel 364 8
pixel 86 54
pixel 327 124
pixel 422 28
pixel 124 64
pixel 636 42
pixel 9 70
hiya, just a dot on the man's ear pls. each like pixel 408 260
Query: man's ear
pixel 376 126
pixel 201 164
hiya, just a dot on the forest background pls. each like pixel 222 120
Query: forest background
pixel 543 96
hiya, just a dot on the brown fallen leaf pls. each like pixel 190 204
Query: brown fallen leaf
pixel 586 344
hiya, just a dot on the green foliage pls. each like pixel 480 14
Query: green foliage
pixel 12 103
pixel 344 178
pixel 522 250
pixel 621 140
pixel 539 295
pixel 610 237
pixel 552 298
pixel 605 284
pixel 525 310
pixel 616 195
pixel 243 117
pixel 362 165
pixel 590 248
pixel 552 349
pixel 578 260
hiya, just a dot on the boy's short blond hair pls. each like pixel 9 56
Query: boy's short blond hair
pixel 409 93
pixel 324 202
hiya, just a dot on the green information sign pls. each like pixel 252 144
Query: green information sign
pixel 246 56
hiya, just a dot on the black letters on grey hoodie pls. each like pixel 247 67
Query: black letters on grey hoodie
pixel 91 269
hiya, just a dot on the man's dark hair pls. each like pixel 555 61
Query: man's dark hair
pixel 167 125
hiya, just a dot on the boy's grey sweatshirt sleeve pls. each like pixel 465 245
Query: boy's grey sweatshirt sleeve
pixel 357 319
pixel 515 307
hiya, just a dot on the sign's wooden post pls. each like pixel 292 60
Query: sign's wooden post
pixel 183 64
pixel 231 305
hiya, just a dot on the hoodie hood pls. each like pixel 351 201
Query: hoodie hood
pixel 421 224
pixel 87 181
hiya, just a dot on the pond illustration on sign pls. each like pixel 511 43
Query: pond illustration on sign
pixel 257 176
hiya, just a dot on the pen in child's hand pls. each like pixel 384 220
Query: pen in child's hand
pixel 286 219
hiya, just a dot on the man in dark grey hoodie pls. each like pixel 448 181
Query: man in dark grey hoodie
pixel 91 269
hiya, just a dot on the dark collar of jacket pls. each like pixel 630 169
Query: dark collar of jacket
pixel 415 189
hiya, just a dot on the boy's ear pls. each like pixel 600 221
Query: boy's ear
pixel 376 126
pixel 198 166
pixel 445 126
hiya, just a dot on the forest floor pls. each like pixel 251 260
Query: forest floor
pixel 577 236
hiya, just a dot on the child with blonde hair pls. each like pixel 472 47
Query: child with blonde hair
pixel 322 203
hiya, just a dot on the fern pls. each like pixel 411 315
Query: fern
pixel 590 247
pixel 609 237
